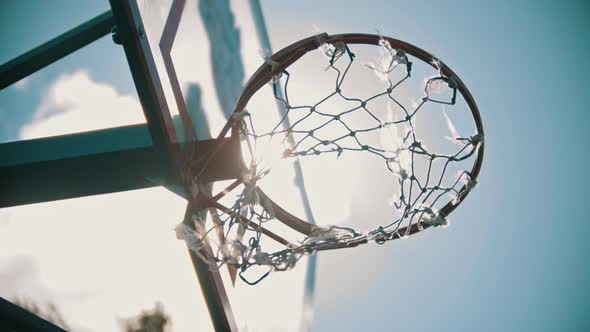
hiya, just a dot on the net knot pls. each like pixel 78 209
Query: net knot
pixel 267 56
pixel 262 258
pixel 476 139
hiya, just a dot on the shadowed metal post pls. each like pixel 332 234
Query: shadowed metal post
pixel 15 318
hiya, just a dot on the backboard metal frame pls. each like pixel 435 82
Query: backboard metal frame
pixel 151 94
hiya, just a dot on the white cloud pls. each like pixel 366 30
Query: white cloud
pixel 75 102
pixel 23 83
pixel 101 257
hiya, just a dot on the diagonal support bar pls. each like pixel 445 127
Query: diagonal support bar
pixel 55 49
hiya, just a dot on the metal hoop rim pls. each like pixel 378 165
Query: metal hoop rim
pixel 290 54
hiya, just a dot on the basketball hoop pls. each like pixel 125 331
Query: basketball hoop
pixel 428 192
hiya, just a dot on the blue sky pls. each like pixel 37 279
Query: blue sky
pixel 515 256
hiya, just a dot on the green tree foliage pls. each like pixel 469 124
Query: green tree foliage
pixel 153 320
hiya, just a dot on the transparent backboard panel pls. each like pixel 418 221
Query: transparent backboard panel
pixel 204 51
pixel 102 259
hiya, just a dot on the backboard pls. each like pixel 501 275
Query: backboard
pixel 189 61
